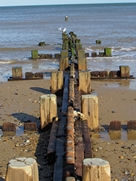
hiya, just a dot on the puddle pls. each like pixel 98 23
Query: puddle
pixel 19 130
pixel 116 135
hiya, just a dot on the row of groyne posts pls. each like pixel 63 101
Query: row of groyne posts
pixel 72 111
pixel 72 117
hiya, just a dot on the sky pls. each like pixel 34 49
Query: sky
pixel 48 2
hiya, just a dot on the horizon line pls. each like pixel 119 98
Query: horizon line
pixel 67 4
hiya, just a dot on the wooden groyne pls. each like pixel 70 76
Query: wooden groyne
pixel 72 111
pixel 69 143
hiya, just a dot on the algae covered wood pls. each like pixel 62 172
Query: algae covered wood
pixel 82 64
pixel 85 82
pixel 96 169
pixel 107 51
pixel 64 60
pixel 34 54
pixel 89 108
pixel 56 81
pixel 22 169
pixel 48 109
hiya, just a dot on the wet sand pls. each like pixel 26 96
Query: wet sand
pixel 20 103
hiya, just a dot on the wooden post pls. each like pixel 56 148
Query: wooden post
pixel 48 109
pixel 78 46
pixel 70 179
pixel 66 18
pixel 17 72
pixel 22 169
pixel 131 125
pixel 56 81
pixel 107 51
pixel 115 130
pixel 7 126
pixel 64 60
pixel 82 64
pixel 98 41
pixel 96 169
pixel 85 82
pixel 89 108
pixel 124 71
pixel 34 54
pixel 115 126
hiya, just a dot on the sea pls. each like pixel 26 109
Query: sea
pixel 23 27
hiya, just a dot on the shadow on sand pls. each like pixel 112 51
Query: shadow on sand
pixel 45 170
pixel 38 89
pixel 1 179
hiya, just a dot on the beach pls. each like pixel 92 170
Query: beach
pixel 22 28
pixel 20 103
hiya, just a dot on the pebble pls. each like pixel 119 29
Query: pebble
pixel 27 141
pixel 17 145
pixel 127 173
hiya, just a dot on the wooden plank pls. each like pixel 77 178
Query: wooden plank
pixel 51 150
pixel 86 139
pixel 79 148
pixel 58 167
pixel 65 95
pixel 62 127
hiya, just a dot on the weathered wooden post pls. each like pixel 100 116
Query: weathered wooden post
pixel 56 81
pixel 48 109
pixel 124 71
pixel 82 64
pixel 70 179
pixel 131 129
pixel 66 18
pixel 22 169
pixel 107 52
pixel 78 46
pixel 98 41
pixel 85 82
pixel 89 107
pixel 64 60
pixel 115 130
pixel 17 72
pixel 34 54
pixel 96 169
